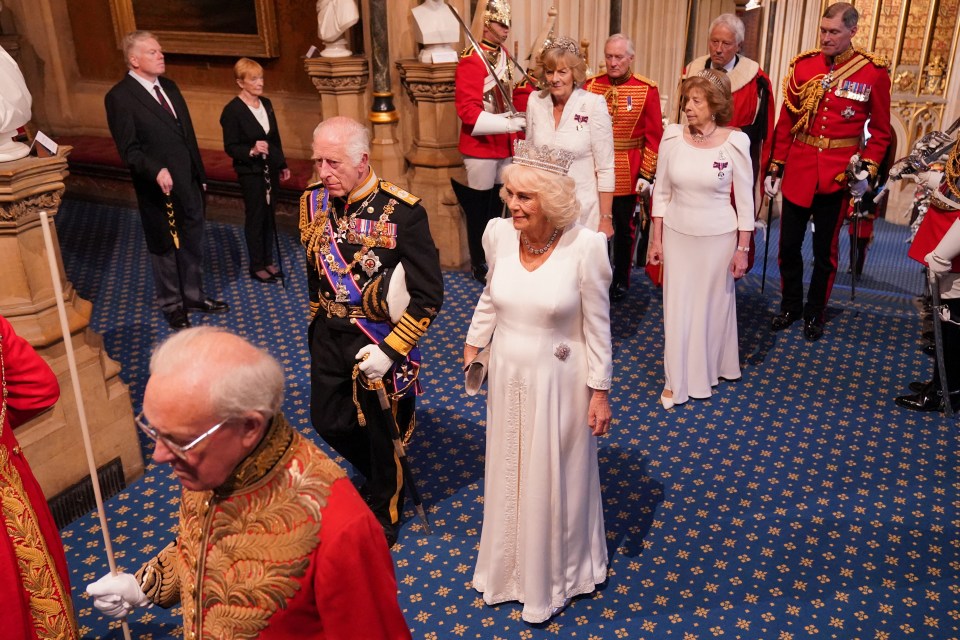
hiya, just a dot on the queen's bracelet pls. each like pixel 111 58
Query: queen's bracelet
pixel 744 249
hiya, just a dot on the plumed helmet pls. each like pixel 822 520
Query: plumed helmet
pixel 497 11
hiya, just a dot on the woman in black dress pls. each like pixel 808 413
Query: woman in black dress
pixel 251 138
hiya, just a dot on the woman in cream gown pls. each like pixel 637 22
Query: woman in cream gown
pixel 545 313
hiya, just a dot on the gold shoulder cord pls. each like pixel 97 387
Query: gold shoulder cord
pixel 951 172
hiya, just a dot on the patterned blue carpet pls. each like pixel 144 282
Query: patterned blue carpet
pixel 799 502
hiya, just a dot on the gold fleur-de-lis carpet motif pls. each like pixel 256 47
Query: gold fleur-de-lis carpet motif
pixel 796 503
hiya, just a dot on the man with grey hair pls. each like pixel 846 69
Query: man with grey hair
pixel 375 286
pixel 273 539
pixel 151 127
pixel 634 105
pixel 753 97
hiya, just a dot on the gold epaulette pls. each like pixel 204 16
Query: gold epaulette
pixel 805 54
pixel 399 193
pixel 644 79
pixel 467 51
pixel 594 77
pixel 875 58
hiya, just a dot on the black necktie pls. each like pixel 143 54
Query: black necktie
pixel 163 101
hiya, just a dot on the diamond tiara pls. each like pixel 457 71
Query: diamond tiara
pixel 712 77
pixel 565 43
pixel 547 158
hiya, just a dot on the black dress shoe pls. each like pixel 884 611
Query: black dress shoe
pixel 783 320
pixel 209 305
pixel 930 350
pixel 263 276
pixel 617 292
pixel 178 319
pixel 928 400
pixel 390 531
pixel 812 329
pixel 920 387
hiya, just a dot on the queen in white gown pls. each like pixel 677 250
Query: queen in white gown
pixel 701 238
pixel 545 314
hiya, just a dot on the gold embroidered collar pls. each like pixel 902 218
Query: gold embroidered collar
pixel 844 57
pixel 261 460
pixel 363 189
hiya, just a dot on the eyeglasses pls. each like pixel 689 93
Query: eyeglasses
pixel 176 449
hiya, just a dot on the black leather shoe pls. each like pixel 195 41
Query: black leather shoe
pixel 919 387
pixel 929 400
pixel 178 319
pixel 783 320
pixel 812 329
pixel 263 276
pixel 209 305
pixel 930 350
pixel 617 292
pixel 390 531
pixel 480 273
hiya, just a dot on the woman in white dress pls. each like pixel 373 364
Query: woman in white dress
pixel 566 117
pixel 545 314
pixel 701 238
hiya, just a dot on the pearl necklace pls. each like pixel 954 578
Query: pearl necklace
pixel 542 250
pixel 699 137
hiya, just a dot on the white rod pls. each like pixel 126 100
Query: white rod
pixel 75 379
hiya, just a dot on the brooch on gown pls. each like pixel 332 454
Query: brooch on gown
pixel 581 120
pixel 562 351
pixel 720 165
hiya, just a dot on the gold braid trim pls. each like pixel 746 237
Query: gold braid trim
pixel 952 171
pixel 406 333
pixel 158 578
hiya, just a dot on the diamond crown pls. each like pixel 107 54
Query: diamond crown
pixel 543 157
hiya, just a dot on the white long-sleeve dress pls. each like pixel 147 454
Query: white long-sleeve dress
pixel 542 540
pixel 700 227
pixel 586 130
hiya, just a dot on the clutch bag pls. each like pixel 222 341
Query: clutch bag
pixel 475 372
pixel 655 273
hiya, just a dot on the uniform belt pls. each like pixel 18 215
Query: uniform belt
pixel 340 310
pixel 828 143
pixel 626 145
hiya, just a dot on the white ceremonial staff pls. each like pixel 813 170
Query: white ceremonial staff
pixel 75 379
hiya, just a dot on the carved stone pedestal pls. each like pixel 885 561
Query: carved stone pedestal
pixel 434 157
pixel 341 83
pixel 52 442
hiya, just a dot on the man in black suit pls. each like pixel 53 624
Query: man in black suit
pixel 151 126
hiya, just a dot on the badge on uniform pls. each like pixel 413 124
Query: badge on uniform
pixel 581 120
pixel 859 91
pixel 370 263
pixel 629 103
pixel 848 112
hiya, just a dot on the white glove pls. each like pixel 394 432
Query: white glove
pixel 643 187
pixel 930 179
pixel 940 259
pixel 117 595
pixel 771 186
pixel 377 364
pixel 495 123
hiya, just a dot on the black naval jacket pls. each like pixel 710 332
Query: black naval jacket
pixel 408 243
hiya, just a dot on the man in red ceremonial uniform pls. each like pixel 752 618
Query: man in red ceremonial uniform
pixel 753 104
pixel 634 105
pixel 937 246
pixel 830 94
pixel 488 127
pixel 34 587
pixel 273 539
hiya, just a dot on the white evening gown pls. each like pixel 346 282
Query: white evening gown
pixel 700 227
pixel 542 539
pixel 585 130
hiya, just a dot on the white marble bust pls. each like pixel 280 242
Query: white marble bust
pixel 15 102
pixel 334 17
pixel 437 30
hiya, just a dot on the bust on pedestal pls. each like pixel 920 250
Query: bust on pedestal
pixel 437 30
pixel 334 17
pixel 15 102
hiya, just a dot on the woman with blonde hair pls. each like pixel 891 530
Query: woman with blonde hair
pixel 545 314
pixel 701 238
pixel 251 138
pixel 565 116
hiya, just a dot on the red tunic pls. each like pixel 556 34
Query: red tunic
pixel 746 101
pixel 473 86
pixel 936 223
pixel 819 129
pixel 286 549
pixel 34 583
pixel 634 107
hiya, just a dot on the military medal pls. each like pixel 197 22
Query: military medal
pixel 848 112
pixel 629 103
pixel 720 165
pixel 370 263
pixel 342 294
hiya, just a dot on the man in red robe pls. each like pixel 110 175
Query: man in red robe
pixel 273 541
pixel 34 587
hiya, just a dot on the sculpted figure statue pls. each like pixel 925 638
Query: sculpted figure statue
pixel 334 17
pixel 15 102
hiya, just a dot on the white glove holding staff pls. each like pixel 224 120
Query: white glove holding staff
pixel 117 595
pixel 376 364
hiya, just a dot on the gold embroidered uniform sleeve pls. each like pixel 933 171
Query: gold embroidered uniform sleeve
pixel 158 578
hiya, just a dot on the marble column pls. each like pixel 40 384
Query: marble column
pixel 433 156
pixel 53 442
